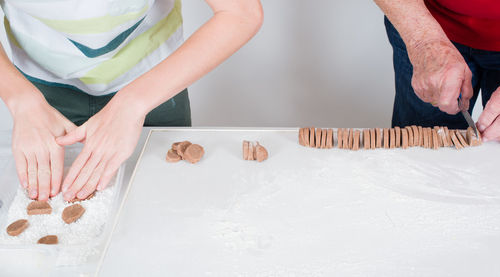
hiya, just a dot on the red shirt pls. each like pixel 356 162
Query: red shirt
pixel 475 23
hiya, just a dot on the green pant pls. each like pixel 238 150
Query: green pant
pixel 78 106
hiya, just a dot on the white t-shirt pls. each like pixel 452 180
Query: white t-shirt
pixel 97 46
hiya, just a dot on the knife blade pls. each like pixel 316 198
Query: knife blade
pixel 467 116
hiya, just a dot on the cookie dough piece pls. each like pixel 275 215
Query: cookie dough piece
pixel 461 138
pixel 245 150
pixel 251 152
pixel 301 136
pixel 472 139
pixel 378 135
pixel 323 138
pixel 181 147
pixel 50 239
pixel 261 153
pixel 194 153
pixel 72 213
pixel 426 138
pixel 429 133
pixel 431 140
pixel 404 138
pixel 439 138
pixel 39 207
pixel 410 136
pixel 421 136
pixel 455 140
pixel 79 200
pixel 416 137
pixel 435 140
pixel 350 139
pixel 172 156
pixel 392 140
pixel 366 139
pixel 340 135
pixel 312 137
pixel 345 139
pixel 174 145
pixel 329 138
pixel 372 139
pixel 448 136
pixel 397 133
pixel 306 137
pixel 442 137
pixel 17 227
pixel 355 143
pixel 386 138
pixel 317 139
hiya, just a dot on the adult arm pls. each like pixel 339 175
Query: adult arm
pixel 112 134
pixel 39 159
pixel 440 73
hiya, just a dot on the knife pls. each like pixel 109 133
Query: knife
pixel 466 115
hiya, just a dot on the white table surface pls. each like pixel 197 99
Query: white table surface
pixel 308 212
pixel 251 222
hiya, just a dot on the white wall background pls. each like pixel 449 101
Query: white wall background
pixel 315 62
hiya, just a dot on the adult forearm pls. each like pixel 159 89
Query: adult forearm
pixel 15 88
pixel 209 46
pixel 414 22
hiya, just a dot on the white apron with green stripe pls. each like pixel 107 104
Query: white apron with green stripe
pixel 96 46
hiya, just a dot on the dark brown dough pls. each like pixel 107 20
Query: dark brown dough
pixel 17 227
pixel 50 239
pixel 172 156
pixel 72 213
pixel 194 153
pixel 39 207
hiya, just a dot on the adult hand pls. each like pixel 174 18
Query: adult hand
pixel 39 159
pixel 489 122
pixel 440 73
pixel 110 138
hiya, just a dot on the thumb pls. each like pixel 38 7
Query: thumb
pixel 74 136
pixel 490 112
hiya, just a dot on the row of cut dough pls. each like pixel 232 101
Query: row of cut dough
pixel 388 138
